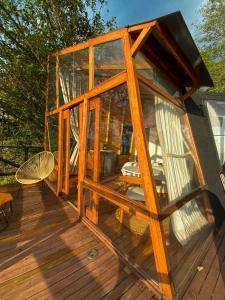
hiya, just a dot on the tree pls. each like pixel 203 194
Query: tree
pixel 211 39
pixel 29 31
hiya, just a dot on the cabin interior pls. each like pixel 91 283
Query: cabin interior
pixel 125 156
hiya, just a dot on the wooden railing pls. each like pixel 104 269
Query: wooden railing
pixel 25 152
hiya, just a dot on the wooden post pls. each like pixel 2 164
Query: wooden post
pixel 67 154
pixel 91 67
pixel 60 136
pixel 82 155
pixel 156 230
pixel 57 81
pixel 96 173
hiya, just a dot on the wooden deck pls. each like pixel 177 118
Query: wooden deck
pixel 209 282
pixel 44 255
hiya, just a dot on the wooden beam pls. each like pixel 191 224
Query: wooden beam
pixel 67 154
pixel 156 228
pixel 97 162
pixel 143 36
pixel 46 104
pixel 178 54
pixel 107 37
pixel 166 212
pixel 188 94
pixel 57 81
pixel 60 140
pixel 138 27
pixel 161 64
pixel 83 115
pixel 160 91
pixel 91 67
pixel 99 89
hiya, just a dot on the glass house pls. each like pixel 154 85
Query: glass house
pixel 124 152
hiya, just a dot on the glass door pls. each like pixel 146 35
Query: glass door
pixel 69 146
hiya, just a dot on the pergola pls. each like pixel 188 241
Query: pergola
pixel 124 151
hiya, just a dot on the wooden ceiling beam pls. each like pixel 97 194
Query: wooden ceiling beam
pixel 143 36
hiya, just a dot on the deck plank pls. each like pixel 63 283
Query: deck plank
pixel 43 254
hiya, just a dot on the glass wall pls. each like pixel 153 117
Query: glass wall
pixel 169 147
pixel 146 69
pixel 187 233
pixel 216 111
pixel 52 84
pixel 109 60
pixel 129 234
pixel 52 146
pixel 73 75
pixel 110 139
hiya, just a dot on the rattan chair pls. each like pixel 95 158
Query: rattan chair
pixel 36 169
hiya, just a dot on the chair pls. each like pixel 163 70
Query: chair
pixel 132 186
pixel 6 208
pixel 36 169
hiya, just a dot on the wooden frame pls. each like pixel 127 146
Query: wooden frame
pixel 151 212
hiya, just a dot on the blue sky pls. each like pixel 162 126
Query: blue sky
pixel 134 11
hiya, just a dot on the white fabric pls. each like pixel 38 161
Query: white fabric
pixel 71 87
pixel 216 110
pixel 188 220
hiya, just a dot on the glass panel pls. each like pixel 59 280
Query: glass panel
pixel 73 75
pixel 109 60
pixel 74 151
pixel 90 144
pixel 216 110
pixel 52 84
pixel 146 69
pixel 169 147
pixel 187 232
pixel 52 146
pixel 119 168
pixel 129 234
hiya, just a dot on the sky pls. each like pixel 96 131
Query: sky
pixel 129 12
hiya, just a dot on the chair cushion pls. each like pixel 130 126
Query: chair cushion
pixel 136 193
pixel 5 197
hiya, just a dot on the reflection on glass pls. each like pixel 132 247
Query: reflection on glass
pixel 149 71
pixel 169 147
pixel 129 234
pixel 52 84
pixel 73 75
pixel 118 166
pixel 109 60
pixel 216 110
pixel 52 146
pixel 187 233
pixel 90 144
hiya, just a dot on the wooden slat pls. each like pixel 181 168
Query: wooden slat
pixel 143 36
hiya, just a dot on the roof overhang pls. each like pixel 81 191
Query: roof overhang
pixel 176 27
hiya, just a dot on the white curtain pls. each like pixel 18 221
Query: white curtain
pixel 71 87
pixel 188 220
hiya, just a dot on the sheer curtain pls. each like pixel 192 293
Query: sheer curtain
pixel 71 87
pixel 188 220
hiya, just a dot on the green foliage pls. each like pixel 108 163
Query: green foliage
pixel 211 39
pixel 30 30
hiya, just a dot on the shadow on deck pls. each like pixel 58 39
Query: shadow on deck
pixel 44 254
